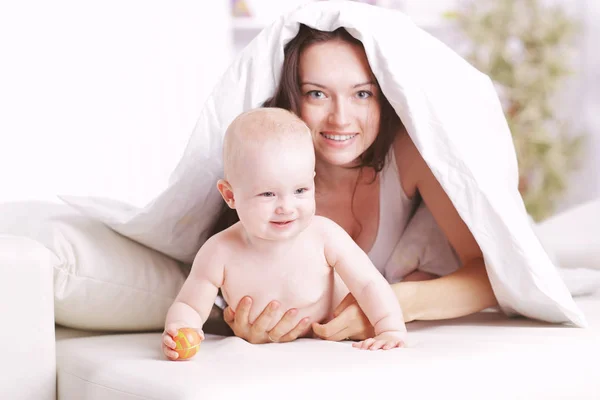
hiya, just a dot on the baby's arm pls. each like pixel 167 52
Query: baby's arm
pixel 372 292
pixel 192 305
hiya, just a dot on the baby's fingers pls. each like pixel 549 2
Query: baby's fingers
pixel 364 345
pixel 377 344
pixel 170 354
pixel 373 344
pixel 169 342
pixel 393 344
pixel 172 330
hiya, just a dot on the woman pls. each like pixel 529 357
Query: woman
pixel 327 81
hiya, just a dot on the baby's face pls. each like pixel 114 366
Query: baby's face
pixel 274 191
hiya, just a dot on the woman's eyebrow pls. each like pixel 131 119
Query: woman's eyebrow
pixel 364 84
pixel 324 87
pixel 312 83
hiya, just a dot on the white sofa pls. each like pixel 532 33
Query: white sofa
pixel 481 356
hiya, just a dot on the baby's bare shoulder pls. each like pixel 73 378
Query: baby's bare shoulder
pixel 221 245
pixel 322 222
pixel 327 226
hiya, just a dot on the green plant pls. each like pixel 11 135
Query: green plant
pixel 523 45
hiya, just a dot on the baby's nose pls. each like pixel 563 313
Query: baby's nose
pixel 285 206
pixel 283 210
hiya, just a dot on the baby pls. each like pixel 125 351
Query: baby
pixel 280 249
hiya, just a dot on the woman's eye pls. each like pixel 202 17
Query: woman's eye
pixel 267 194
pixel 316 94
pixel 363 94
pixel 301 190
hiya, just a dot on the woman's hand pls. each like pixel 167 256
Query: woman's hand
pixel 256 333
pixel 349 322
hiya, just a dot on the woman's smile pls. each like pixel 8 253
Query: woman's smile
pixel 338 140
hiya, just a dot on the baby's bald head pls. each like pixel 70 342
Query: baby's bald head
pixel 257 129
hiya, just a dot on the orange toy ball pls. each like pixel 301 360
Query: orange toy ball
pixel 187 343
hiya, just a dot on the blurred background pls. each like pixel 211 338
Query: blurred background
pixel 99 98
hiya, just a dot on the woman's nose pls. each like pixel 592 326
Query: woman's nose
pixel 338 115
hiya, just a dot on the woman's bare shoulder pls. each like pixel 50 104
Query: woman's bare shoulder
pixel 409 162
pixel 417 177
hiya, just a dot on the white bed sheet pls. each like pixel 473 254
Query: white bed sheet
pixel 481 356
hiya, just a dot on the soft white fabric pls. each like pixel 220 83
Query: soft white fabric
pixel 482 356
pixel 574 236
pixel 451 112
pixel 424 247
pixel 26 320
pixel 572 240
pixel 580 281
pixel 102 280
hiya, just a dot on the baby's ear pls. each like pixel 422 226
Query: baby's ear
pixel 227 192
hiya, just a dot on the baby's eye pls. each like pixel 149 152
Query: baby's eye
pixel 301 190
pixel 267 194
pixel 364 94
pixel 316 94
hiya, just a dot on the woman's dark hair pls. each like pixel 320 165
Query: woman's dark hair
pixel 288 96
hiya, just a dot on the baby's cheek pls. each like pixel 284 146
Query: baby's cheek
pixel 311 208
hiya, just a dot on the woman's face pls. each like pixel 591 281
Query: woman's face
pixel 340 100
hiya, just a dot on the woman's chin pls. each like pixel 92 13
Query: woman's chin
pixel 340 160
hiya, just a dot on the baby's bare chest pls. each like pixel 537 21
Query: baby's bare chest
pixel 300 279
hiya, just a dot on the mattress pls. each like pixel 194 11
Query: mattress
pixel 485 355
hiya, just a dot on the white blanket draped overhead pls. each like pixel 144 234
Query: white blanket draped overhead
pixel 451 112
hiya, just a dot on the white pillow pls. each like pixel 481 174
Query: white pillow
pixel 177 222
pixel 451 112
pixel 572 241
pixel 104 281
pixel 574 236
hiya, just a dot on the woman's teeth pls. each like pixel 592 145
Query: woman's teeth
pixel 339 138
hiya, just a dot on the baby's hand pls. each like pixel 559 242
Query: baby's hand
pixel 385 341
pixel 168 344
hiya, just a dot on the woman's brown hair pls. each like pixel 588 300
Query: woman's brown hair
pixel 288 96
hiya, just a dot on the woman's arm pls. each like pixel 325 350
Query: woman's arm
pixel 462 292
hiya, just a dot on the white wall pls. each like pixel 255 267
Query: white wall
pixel 582 102
pixel 99 98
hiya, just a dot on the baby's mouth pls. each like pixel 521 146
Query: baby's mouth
pixel 282 223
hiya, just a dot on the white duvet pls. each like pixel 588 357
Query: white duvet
pixel 450 110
